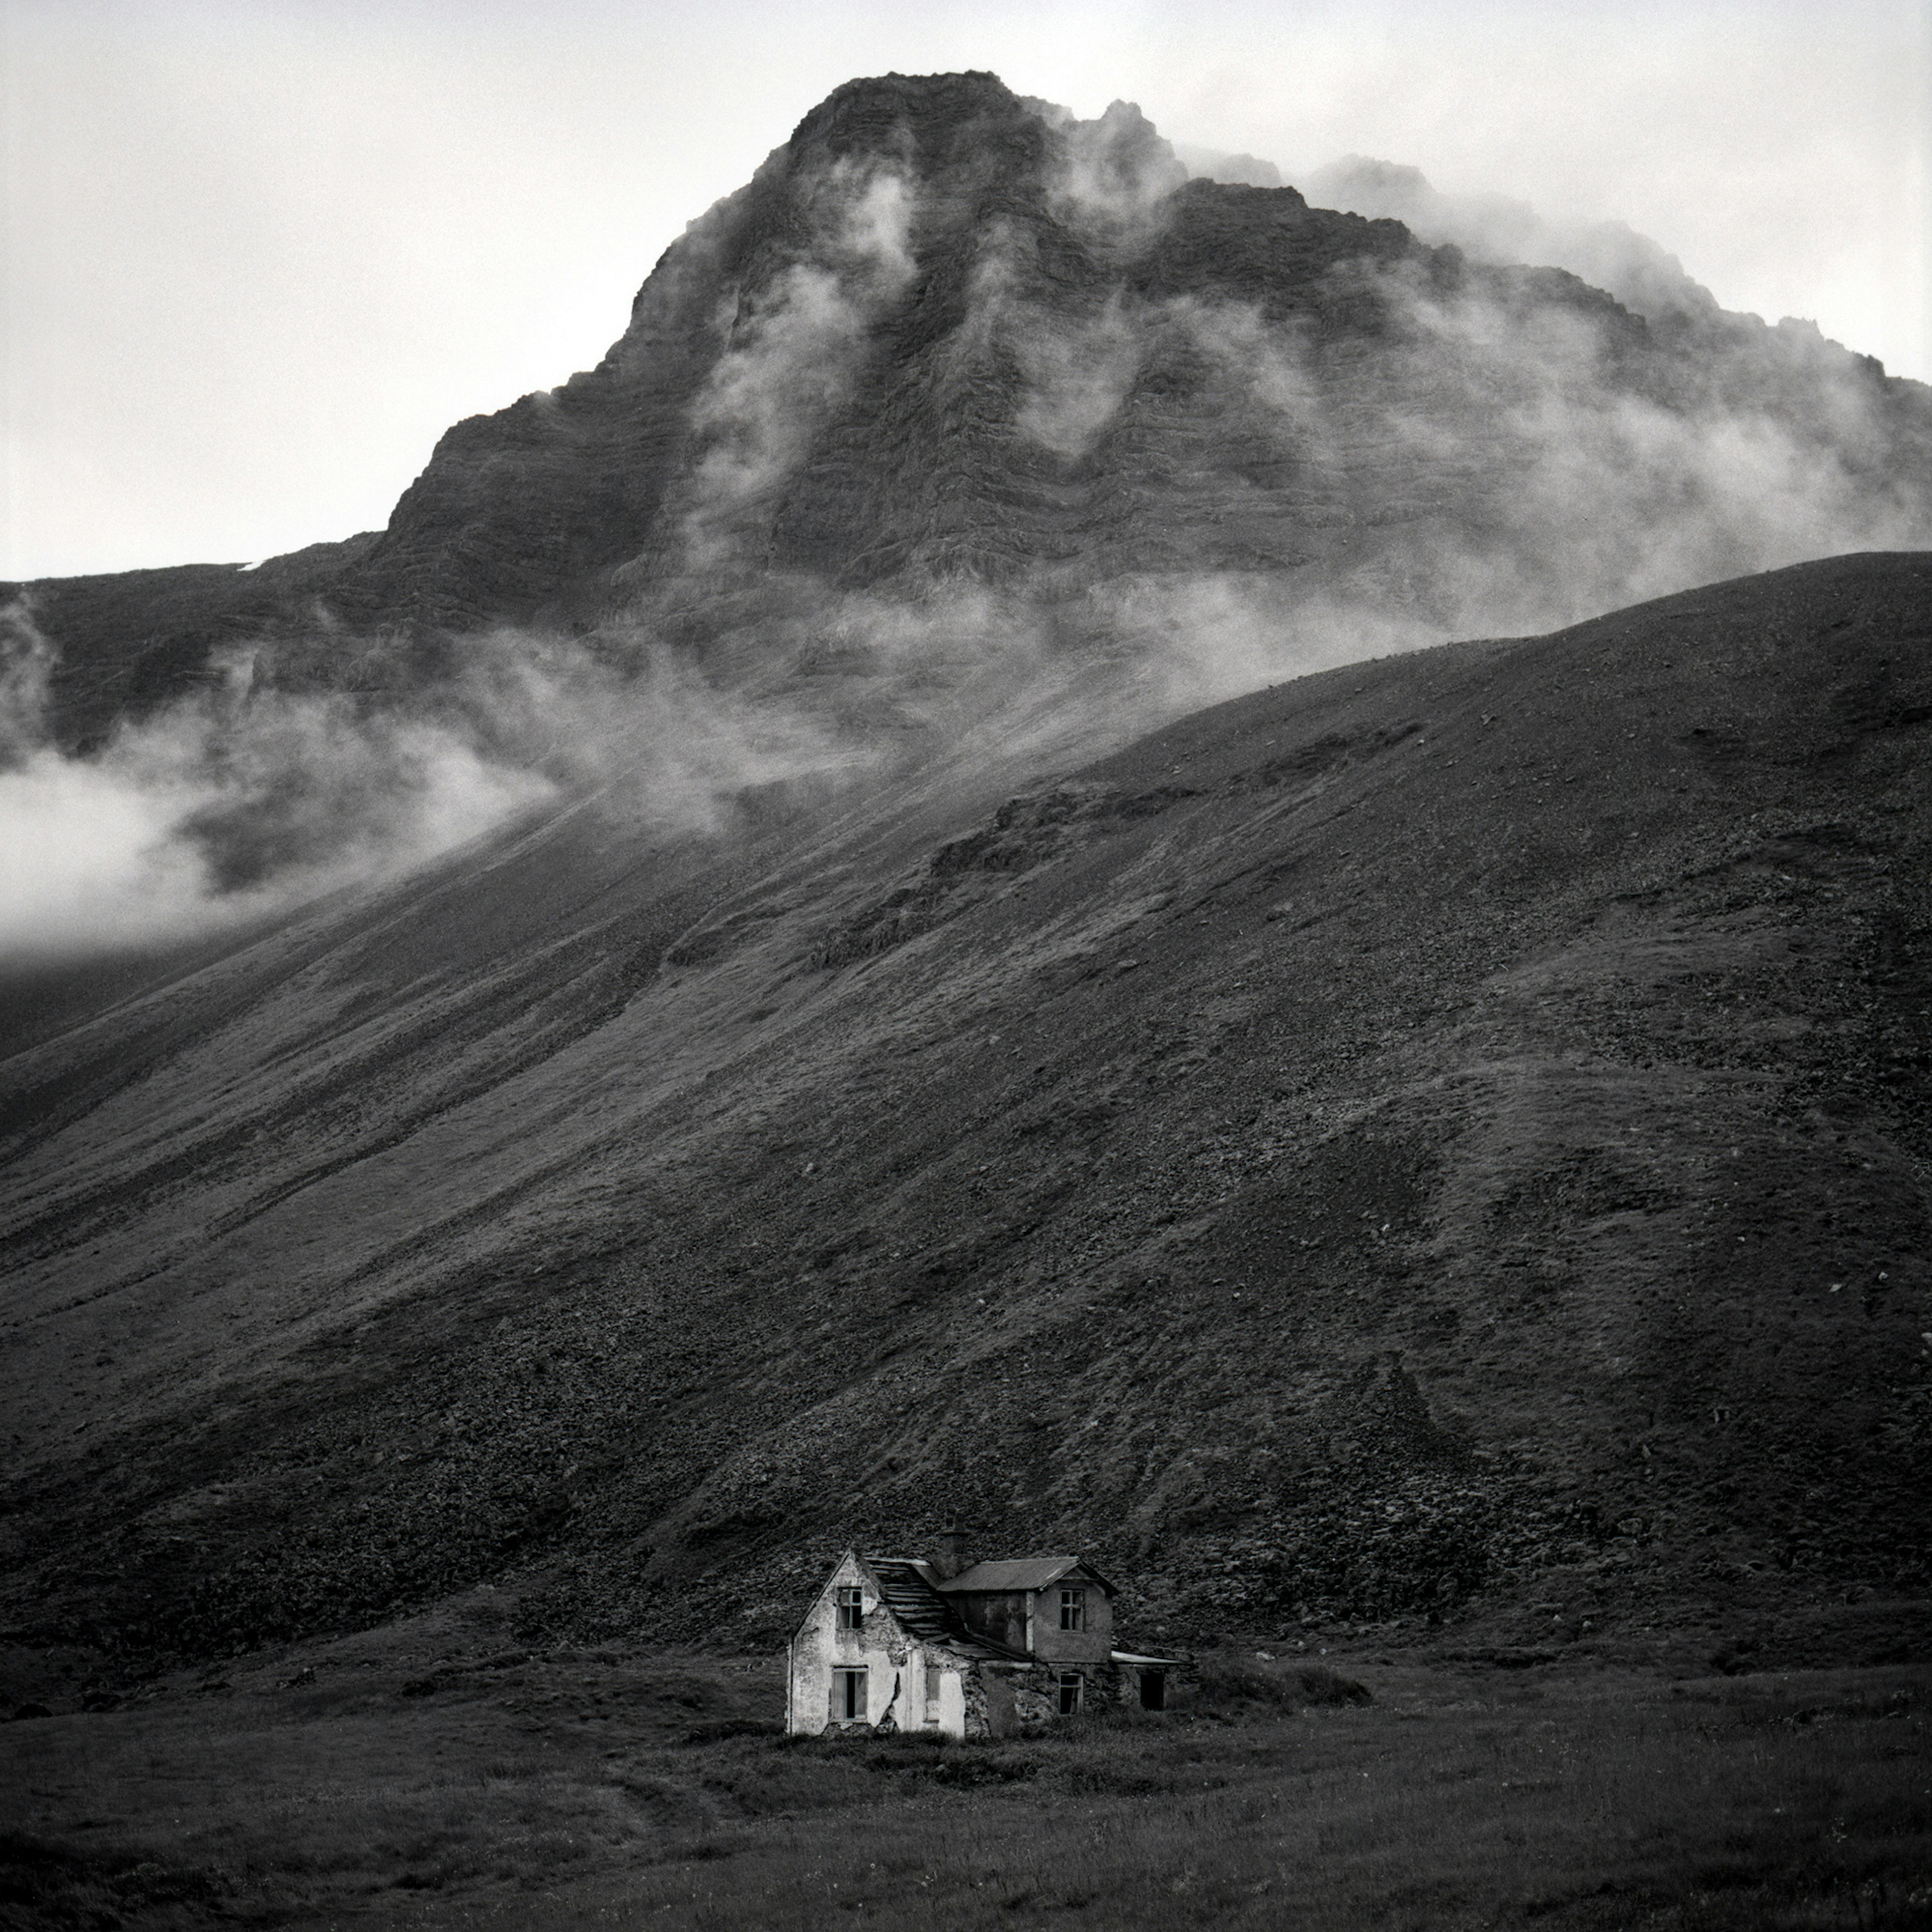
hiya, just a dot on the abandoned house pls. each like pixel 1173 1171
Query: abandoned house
pixel 898 1643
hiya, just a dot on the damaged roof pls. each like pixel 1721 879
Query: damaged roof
pixel 906 1588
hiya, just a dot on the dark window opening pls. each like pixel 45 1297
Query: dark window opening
pixel 1071 1684
pixel 1073 1609
pixel 849 1695
pixel 851 1609
pixel 1154 1690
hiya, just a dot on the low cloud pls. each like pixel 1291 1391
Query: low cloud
pixel 1077 377
pixel 1242 170
pixel 1200 638
pixel 192 824
pixel 27 661
pixel 1503 466
pixel 793 354
pixel 1496 229
pixel 1110 175
pixel 1502 452
pixel 245 801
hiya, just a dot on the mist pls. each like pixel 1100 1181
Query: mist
pixel 1593 492
pixel 1642 274
pixel 788 361
pixel 223 811
pixel 1506 451
pixel 233 807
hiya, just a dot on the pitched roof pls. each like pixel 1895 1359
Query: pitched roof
pixel 906 1588
pixel 912 1599
pixel 1023 1572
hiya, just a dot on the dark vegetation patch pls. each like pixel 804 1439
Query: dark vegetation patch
pixel 717 1730
pixel 1232 1685
pixel 49 1886
pixel 1574 1800
pixel 1024 832
pixel 964 1771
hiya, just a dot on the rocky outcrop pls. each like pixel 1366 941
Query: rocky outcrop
pixel 948 335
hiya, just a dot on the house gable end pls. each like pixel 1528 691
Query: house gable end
pixel 1084 1573
pixel 851 1568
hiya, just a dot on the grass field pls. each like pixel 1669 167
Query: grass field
pixel 495 1789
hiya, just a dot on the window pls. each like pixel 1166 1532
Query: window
pixel 849 1696
pixel 1071 1685
pixel 932 1693
pixel 851 1608
pixel 1073 1609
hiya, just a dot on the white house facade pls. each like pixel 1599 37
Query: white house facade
pixel 879 1647
pixel 900 1644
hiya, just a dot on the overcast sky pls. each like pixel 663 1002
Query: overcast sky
pixel 258 256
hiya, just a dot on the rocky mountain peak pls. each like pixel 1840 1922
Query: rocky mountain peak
pixel 948 339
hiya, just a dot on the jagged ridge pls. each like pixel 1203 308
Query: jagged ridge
pixel 947 333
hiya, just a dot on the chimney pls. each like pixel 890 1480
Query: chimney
pixel 951 1557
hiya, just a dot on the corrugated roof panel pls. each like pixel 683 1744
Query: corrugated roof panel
pixel 1023 1572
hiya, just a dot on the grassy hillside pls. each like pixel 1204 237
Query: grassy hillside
pixel 1441 1144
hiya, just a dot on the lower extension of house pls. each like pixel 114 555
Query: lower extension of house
pixel 896 1643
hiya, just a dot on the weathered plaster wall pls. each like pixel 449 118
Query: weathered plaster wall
pixel 1092 1644
pixel 951 1712
pixel 820 1647
pixel 882 1648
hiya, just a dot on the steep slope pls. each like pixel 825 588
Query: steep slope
pixel 1433 1138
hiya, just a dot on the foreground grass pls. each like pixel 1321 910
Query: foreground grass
pixel 605 1790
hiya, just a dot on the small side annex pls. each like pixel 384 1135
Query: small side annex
pixel 901 1644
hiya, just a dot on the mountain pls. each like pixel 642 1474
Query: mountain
pixel 1439 1136
pixel 948 336
pixel 1609 255
pixel 720 985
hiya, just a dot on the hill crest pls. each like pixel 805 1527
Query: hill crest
pixel 1397 1147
